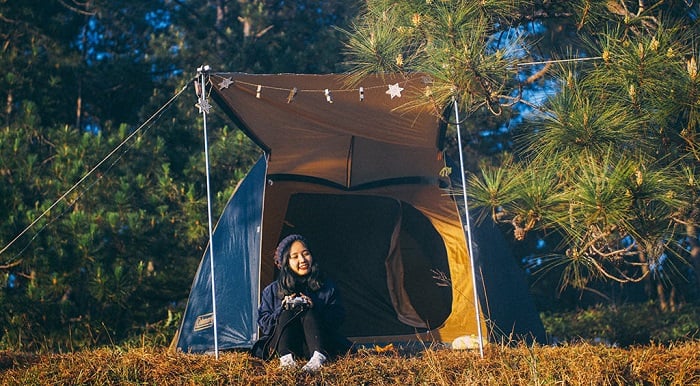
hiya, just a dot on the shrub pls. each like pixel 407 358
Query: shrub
pixel 624 325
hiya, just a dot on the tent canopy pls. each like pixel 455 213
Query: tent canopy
pixel 347 136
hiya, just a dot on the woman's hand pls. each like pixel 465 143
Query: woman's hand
pixel 288 299
pixel 307 300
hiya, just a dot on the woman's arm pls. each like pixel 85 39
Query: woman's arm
pixel 269 310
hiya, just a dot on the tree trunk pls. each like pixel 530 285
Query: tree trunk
pixel 219 23
pixel 661 296
pixel 79 104
pixel 651 284
pixel 79 99
pixel 245 20
pixel 647 274
pixel 692 233
pixel 8 106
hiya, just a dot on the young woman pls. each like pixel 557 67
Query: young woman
pixel 300 312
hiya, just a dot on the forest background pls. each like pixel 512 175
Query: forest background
pixel 580 140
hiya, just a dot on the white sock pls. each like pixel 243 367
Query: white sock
pixel 287 361
pixel 315 363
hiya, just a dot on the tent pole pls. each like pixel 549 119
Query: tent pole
pixel 204 108
pixel 469 231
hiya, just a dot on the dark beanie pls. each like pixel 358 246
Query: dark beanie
pixel 284 246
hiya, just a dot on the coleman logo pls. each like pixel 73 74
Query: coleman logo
pixel 203 322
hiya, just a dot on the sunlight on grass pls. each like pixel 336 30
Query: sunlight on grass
pixel 578 364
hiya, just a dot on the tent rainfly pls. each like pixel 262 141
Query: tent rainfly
pixel 361 178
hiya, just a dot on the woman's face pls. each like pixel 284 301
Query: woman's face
pixel 300 258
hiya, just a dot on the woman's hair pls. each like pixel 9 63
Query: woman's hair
pixel 287 279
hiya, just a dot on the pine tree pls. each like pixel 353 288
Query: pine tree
pixel 607 165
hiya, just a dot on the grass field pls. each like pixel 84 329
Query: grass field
pixel 577 364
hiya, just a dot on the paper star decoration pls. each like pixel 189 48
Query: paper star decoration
pixel 394 90
pixel 225 83
pixel 203 106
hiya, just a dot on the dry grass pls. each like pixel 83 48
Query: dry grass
pixel 580 364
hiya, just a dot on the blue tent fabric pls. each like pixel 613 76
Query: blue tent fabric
pixel 500 283
pixel 236 241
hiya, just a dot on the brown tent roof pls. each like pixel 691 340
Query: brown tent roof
pixel 316 126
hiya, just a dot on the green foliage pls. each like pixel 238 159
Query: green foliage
pixel 77 277
pixel 158 334
pixel 624 325
pixel 577 121
pixel 107 219
pixel 454 42
pixel 621 152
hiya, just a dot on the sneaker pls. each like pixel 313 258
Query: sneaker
pixel 314 364
pixel 287 361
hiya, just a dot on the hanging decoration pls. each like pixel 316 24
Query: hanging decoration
pixel 203 105
pixel 225 83
pixel 292 94
pixel 394 90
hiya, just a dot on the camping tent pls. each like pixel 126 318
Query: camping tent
pixel 359 175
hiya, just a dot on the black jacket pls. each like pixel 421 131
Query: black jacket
pixel 326 301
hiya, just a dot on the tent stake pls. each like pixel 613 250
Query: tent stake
pixel 469 231
pixel 203 106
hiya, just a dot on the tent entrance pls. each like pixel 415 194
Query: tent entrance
pixel 383 254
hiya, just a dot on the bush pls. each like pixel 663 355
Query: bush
pixel 624 325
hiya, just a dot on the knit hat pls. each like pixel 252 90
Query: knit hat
pixel 284 246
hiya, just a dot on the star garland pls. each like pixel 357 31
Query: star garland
pixel 392 90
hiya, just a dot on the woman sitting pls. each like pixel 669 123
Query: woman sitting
pixel 300 312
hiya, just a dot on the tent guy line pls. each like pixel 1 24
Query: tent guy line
pixel 89 173
pixel 559 61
